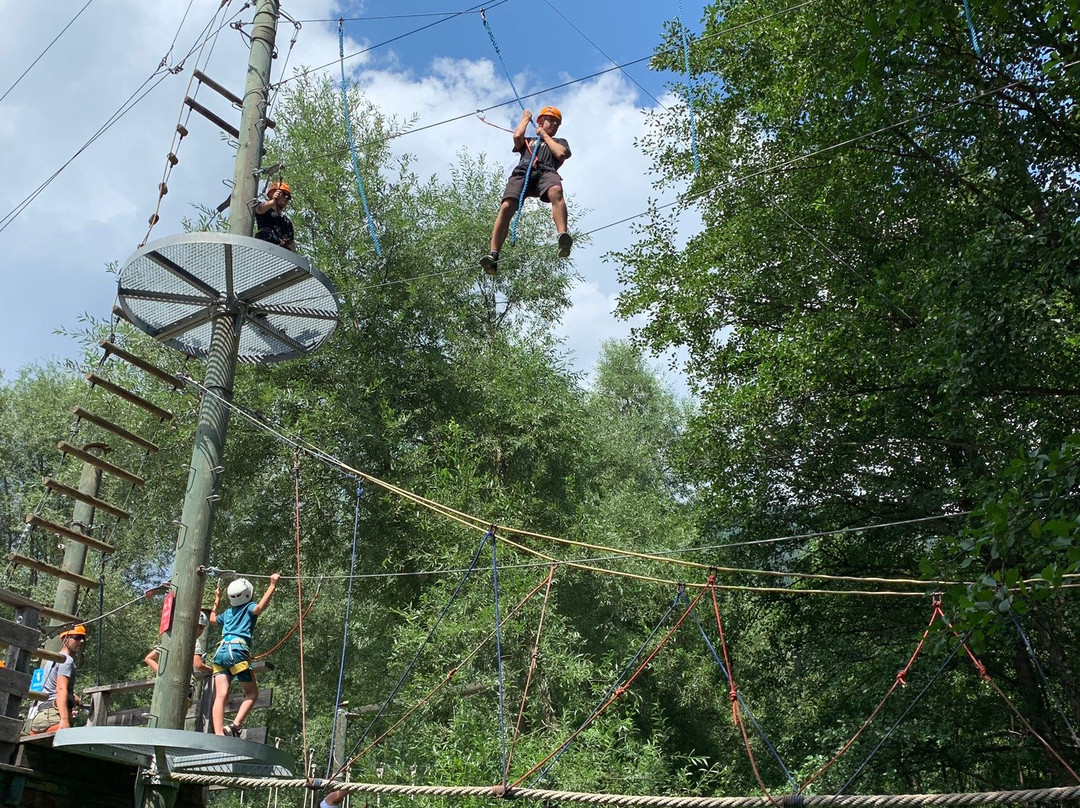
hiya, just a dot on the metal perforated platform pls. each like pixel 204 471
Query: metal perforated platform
pixel 174 287
pixel 175 750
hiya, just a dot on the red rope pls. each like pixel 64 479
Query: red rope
pixel 733 694
pixel 897 682
pixel 981 670
pixel 292 630
pixel 532 669
pixel 619 692
pixel 450 675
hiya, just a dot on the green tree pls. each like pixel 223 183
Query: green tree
pixel 880 314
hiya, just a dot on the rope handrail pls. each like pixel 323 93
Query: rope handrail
pixel 1058 794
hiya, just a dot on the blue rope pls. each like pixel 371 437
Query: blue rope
pixel 1046 684
pixel 528 170
pixel 494 44
pixel 498 652
pixel 524 188
pixel 345 638
pixel 858 772
pixel 971 28
pixel 352 141
pixel 693 87
pixel 614 685
pixel 753 721
pixel 427 639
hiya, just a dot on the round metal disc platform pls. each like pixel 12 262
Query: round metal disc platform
pixel 174 287
pixel 176 750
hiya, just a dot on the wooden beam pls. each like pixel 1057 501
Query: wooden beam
pixel 68 533
pixel 129 396
pixel 99 462
pixel 74 493
pixel 49 569
pixel 140 363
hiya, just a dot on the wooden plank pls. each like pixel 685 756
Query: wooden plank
pixel 100 462
pixel 129 396
pixel 140 363
pixel 122 687
pixel 49 569
pixel 58 616
pixel 74 493
pixel 10 729
pixel 63 532
pixel 115 429
pixel 15 599
pixel 14 682
pixel 19 635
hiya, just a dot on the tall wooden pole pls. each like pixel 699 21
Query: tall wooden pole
pixel 207 459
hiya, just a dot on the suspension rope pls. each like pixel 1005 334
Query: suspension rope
pixel 862 766
pixel 416 657
pixel 981 669
pixel 300 609
pixel 742 703
pixel 615 692
pixel 352 141
pixel 498 652
pixel 295 626
pixel 494 44
pixel 445 681
pixel 533 658
pixel 733 694
pixel 345 633
pixel 1042 675
pixel 900 680
pixel 971 29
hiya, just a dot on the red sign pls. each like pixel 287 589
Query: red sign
pixel 166 613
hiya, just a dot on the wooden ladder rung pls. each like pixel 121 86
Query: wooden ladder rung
pixel 41 653
pixel 101 463
pixel 58 616
pixel 49 569
pixel 74 493
pixel 115 429
pixel 121 314
pixel 127 395
pixel 140 363
pixel 68 533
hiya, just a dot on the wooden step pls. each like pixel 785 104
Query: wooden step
pixel 129 396
pixel 74 493
pixel 49 569
pixel 52 656
pixel 101 463
pixel 68 533
pixel 140 363
pixel 58 616
pixel 115 429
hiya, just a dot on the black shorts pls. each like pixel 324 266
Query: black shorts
pixel 540 182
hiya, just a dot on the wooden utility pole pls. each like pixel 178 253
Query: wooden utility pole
pixel 207 459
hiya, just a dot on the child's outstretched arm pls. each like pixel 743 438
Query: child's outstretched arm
pixel 264 601
pixel 519 130
pixel 217 599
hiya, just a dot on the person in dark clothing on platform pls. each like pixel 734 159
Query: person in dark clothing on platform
pixel 271 223
pixel 541 158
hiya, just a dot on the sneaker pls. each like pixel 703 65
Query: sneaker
pixel 490 262
pixel 232 729
pixel 566 241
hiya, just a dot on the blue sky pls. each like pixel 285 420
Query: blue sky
pixel 55 252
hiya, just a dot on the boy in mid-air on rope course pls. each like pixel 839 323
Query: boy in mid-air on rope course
pixel 541 158
pixel 233 657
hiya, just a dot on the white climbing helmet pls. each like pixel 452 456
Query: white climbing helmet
pixel 204 621
pixel 240 592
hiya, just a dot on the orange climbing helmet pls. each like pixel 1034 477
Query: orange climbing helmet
pixel 552 111
pixel 280 185
pixel 74 631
